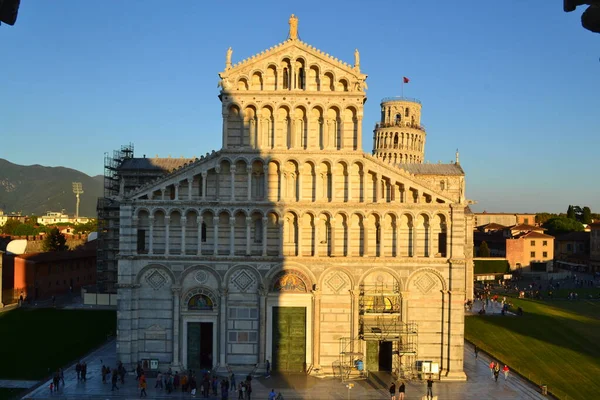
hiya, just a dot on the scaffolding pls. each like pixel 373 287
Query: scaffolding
pixel 351 360
pixel 108 220
pixel 380 319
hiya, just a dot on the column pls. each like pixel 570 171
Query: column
pixel 316 252
pixel 204 175
pixel 162 193
pixel 249 172
pixel 151 235
pixel 231 236
pixel 280 223
pixel 264 237
pixel 223 330
pixel 398 239
pixel 167 233
pixel 199 221
pixel 190 186
pixel 382 238
pixel 176 185
pixel 430 240
pixel 376 188
pixel 316 328
pixel 266 181
pixel 216 235
pixel 262 325
pixel 225 116
pixel 349 183
pixel 332 243
pixel 176 293
pixel 183 228
pixel 359 133
pixel 248 239
pixel 354 317
pixel 135 230
pixel 217 183
pixel 232 171
pixel 299 246
pixel 361 179
pixel 299 186
pixel 413 246
pixel 319 183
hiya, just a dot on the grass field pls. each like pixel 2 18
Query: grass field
pixel 37 341
pixel 556 343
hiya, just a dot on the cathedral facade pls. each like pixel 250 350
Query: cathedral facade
pixel 292 245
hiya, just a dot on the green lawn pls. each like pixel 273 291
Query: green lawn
pixel 556 343
pixel 36 341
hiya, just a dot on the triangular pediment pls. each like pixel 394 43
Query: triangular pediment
pixel 292 50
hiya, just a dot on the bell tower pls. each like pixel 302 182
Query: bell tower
pixel 399 137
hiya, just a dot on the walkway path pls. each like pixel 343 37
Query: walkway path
pixel 479 386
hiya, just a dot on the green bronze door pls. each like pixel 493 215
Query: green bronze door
pixel 372 355
pixel 289 339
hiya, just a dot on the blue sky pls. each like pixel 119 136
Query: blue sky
pixel 513 84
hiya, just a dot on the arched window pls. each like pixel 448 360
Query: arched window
pixel 203 233
pixel 396 141
pixel 398 118
pixel 406 112
pixel 200 302
pixel 301 78
pixel 258 230
pixel 286 79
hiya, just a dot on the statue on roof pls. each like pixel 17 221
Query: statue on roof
pixel 293 21
pixel 356 59
pixel 228 58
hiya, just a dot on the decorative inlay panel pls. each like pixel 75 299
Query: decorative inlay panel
pixel 336 282
pixel 201 276
pixel 425 283
pixel 243 280
pixel 156 279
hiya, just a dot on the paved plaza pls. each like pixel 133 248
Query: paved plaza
pixel 479 385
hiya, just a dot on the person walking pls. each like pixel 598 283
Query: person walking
pixel 401 391
pixel 232 385
pixel 505 370
pixel 492 365
pixel 496 372
pixel 393 391
pixel 268 368
pixel 114 380
pixel 430 387
pixel 241 391
pixel 476 349
pixel 272 395
pixel 143 384
pixel 78 370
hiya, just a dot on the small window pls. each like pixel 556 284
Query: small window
pixel 545 243
pixel 526 221
pixel 398 118
pixel 533 242
pixel 203 233
pixel 545 254
pixel 258 230
pixel 532 254
pixel 442 185
pixel 141 240
pixel 406 112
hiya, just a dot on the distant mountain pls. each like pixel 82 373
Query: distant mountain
pixel 35 189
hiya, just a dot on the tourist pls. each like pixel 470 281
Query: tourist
pixel 492 365
pixel 84 371
pixel 159 383
pixel 249 388
pixel 78 370
pixel 241 391
pixel 272 395
pixel 103 374
pixel 138 371
pixel 122 371
pixel 393 391
pixel 476 350
pixel 176 381
pixel 430 387
pixel 114 380
pixel 184 383
pixel 401 391
pixel 268 368
pixel 61 375
pixel 232 385
pixel 169 383
pixel 142 383
pixel 55 380
pixel 215 385
pixel 496 372
pixel 505 370
pixel 193 385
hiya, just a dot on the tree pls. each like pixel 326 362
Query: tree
pixel 90 226
pixel 484 250
pixel 560 225
pixel 9 226
pixel 570 212
pixel 55 241
pixel 586 217
pixel 541 218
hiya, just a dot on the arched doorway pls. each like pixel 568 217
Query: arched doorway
pixel 199 330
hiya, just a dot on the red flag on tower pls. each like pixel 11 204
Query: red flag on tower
pixel 406 80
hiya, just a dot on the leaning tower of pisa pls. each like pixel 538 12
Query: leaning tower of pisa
pixel 399 137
